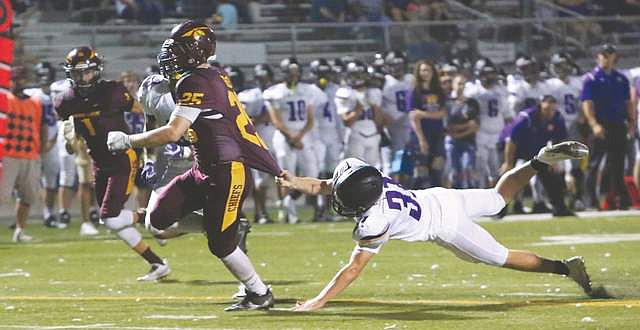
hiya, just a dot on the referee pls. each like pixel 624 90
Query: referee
pixel 610 114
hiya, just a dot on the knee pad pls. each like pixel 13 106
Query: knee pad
pixel 122 225
pixel 122 220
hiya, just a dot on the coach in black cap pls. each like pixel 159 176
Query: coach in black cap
pixel 610 114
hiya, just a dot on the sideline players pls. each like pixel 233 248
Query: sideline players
pixel 494 112
pixel 359 107
pixel 225 144
pixel 291 108
pixel 257 109
pixel 91 108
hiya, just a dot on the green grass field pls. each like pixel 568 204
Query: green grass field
pixel 66 282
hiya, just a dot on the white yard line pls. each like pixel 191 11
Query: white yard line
pixel 548 216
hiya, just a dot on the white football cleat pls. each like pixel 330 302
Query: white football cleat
pixel 578 273
pixel 566 150
pixel 19 236
pixel 88 229
pixel 157 271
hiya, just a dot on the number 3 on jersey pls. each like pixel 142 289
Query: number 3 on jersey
pixel 397 200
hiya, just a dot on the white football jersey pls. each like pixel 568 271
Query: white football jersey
pixel 155 97
pixel 327 119
pixel 347 100
pixel 523 94
pixel 399 214
pixel 567 95
pixel 493 107
pixel 290 103
pixel 395 96
pixel 49 114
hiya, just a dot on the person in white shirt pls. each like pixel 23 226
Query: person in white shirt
pixel 566 87
pixel 292 112
pixel 385 211
pixel 359 107
pixel 492 117
pixel 328 129
pixel 395 106
pixel 256 108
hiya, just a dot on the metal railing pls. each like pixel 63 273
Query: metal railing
pixel 436 39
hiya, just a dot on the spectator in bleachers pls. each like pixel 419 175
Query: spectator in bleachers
pixel 584 30
pixel 397 10
pixel 430 40
pixel 324 11
pixel 367 10
pixel 226 16
pixel 142 11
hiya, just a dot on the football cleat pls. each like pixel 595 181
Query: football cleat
pixel 566 150
pixel 94 216
pixel 65 219
pixel 88 229
pixel 253 301
pixel 157 271
pixel 578 273
pixel 51 222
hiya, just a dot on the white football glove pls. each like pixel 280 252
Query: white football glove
pixel 117 141
pixel 69 130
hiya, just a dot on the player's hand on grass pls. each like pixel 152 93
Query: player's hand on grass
pixel 307 306
pixel 117 141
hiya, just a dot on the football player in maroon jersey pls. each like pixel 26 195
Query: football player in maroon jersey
pixel 225 145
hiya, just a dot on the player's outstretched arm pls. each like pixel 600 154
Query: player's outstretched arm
pixel 305 185
pixel 171 132
pixel 341 281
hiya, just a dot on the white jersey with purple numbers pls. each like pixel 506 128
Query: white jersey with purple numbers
pixel 155 97
pixel 567 94
pixel 326 115
pixel 290 103
pixel 395 96
pixel 493 110
pixel 398 214
pixel 49 114
pixel 348 99
pixel 522 94
pixel 443 216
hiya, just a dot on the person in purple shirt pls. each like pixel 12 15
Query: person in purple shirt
pixel 610 113
pixel 532 130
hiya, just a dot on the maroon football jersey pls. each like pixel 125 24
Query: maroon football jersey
pixel 95 114
pixel 223 131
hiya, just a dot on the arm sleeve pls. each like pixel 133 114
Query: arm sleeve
pixel 371 233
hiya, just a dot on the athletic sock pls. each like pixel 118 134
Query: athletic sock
pixel 151 257
pixel 46 212
pixel 560 268
pixel 240 266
